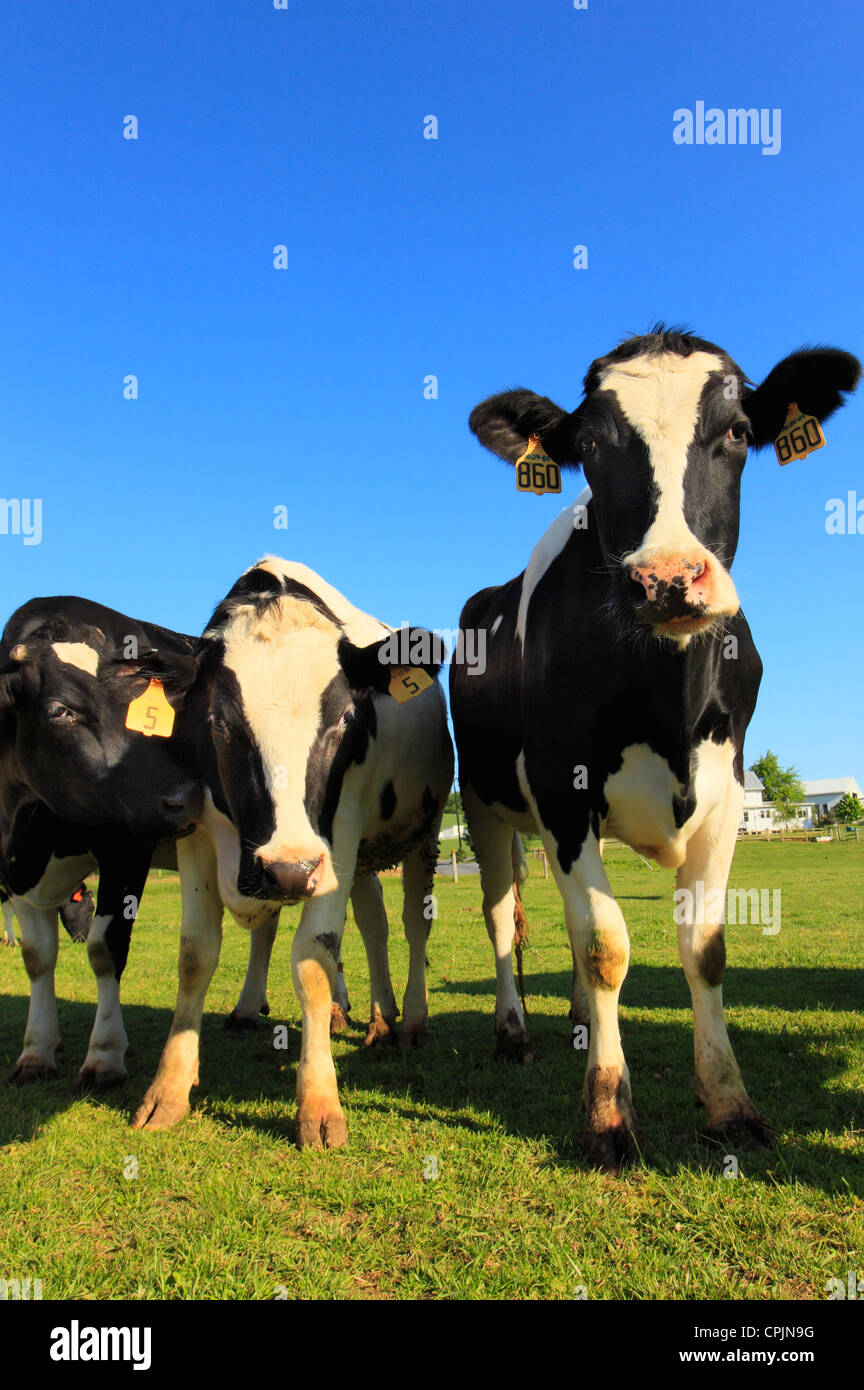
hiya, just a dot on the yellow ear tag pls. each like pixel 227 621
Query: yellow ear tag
pixel 800 436
pixel 535 471
pixel 151 713
pixel 408 681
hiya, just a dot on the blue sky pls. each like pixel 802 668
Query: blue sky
pixel 261 388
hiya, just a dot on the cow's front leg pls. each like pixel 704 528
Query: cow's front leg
pixel 700 902
pixel 601 950
pixel 492 839
pixel 314 954
pixel 418 877
pixel 367 900
pixel 253 996
pixel 39 947
pixel 580 1015
pixel 122 878
pixel 167 1099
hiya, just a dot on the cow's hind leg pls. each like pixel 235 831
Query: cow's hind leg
pixel 732 1118
pixel 493 845
pixel 253 996
pixel 340 1008
pixel 418 877
pixel 367 900
pixel 601 951
pixel 167 1099
pixel 8 924
pixel 39 945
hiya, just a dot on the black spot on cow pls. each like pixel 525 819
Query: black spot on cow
pixel 330 941
pixel 387 800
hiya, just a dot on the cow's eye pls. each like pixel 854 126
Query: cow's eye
pixel 588 448
pixel 61 714
pixel 737 433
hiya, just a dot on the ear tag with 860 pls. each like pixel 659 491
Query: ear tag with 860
pixel 535 471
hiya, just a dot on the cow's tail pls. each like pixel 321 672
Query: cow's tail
pixel 520 873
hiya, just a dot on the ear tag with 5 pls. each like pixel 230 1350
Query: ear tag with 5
pixel 151 713
pixel 535 471
pixel 800 435
pixel 408 681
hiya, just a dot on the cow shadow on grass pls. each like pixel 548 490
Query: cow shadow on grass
pixel 455 1084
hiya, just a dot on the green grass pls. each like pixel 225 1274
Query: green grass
pixel 224 1207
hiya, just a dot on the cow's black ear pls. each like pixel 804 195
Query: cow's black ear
pixel 504 424
pixel 176 670
pixel 12 661
pixel 370 668
pixel 815 379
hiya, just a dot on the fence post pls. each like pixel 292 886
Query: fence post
pixel 545 864
pixel 455 870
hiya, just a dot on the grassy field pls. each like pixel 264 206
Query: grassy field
pixel 223 1206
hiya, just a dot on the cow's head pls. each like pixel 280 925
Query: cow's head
pixel 292 712
pixel 662 435
pixel 64 694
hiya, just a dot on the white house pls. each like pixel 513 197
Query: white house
pixel 820 797
pixel 825 792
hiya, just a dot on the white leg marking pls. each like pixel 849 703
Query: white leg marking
pixel 39 951
pixel 104 1064
pixel 703 955
pixel 167 1099
pixel 253 996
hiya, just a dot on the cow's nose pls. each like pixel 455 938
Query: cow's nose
pixel 294 880
pixel 661 576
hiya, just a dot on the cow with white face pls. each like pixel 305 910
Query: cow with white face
pixel 317 778
pixel 620 679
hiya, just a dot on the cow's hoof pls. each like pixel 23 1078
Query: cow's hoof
pixel 414 1034
pixel 265 1009
pixel 610 1150
pixel 744 1131
pixel 511 1046
pixel 320 1130
pixel 240 1023
pixel 160 1109
pixel 338 1019
pixel 381 1031
pixel 98 1079
pixel 28 1070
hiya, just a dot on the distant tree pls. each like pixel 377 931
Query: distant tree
pixel 782 785
pixel 848 808
pixel 453 805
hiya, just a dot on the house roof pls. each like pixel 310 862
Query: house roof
pixel 751 782
pixel 831 786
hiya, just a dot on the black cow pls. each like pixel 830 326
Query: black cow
pixel 621 676
pixel 78 790
pixel 315 779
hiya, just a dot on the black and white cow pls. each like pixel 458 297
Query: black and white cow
pixel 316 777
pixel 621 676
pixel 79 791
